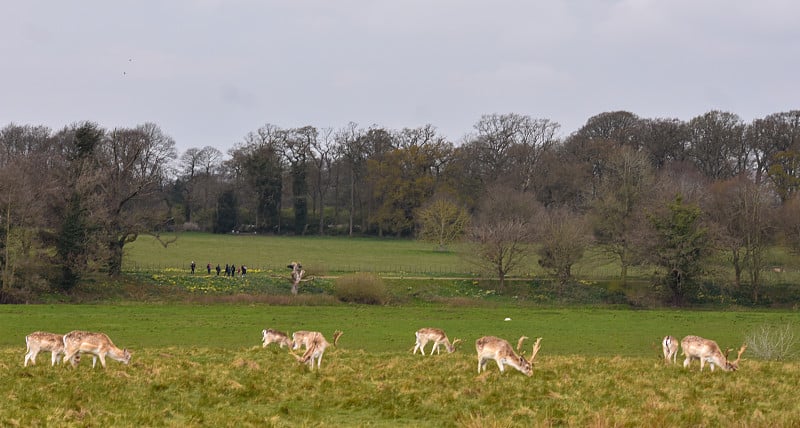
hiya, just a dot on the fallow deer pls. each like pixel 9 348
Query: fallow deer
pixel 316 348
pixel 302 338
pixel 707 351
pixel 97 344
pixel 274 336
pixel 39 341
pixel 499 350
pixel 669 344
pixel 437 336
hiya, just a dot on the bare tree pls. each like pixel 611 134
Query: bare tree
pixel 563 237
pixel 717 144
pixel 322 155
pixel 741 210
pixel 618 209
pixel 502 233
pixel 442 221
pixel 134 162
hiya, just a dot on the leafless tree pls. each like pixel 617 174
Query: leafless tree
pixel 563 237
pixel 502 233
pixel 134 162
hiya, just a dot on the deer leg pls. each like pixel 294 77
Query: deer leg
pixel 30 356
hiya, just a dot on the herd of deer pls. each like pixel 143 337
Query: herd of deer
pixel 697 348
pixel 72 345
pixel 75 343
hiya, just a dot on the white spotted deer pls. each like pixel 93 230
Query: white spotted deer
pixel 669 344
pixel 274 336
pixel 316 348
pixel 499 350
pixel 435 335
pixel 98 344
pixel 707 351
pixel 302 338
pixel 39 341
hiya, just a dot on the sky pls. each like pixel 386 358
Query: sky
pixel 208 72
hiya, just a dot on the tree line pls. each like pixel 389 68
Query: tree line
pixel 664 192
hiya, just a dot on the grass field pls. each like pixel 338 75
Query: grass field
pixel 202 365
pixel 199 362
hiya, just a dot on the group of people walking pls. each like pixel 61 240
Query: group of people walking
pixel 231 270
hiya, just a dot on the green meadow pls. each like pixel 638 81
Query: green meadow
pixel 203 365
pixel 198 360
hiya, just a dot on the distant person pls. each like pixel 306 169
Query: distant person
pixel 244 270
pixel 208 267
pixel 233 270
pixel 227 269
pixel 193 266
pixel 218 269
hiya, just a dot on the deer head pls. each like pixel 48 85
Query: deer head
pixel 734 365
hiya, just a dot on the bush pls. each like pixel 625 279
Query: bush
pixel 363 288
pixel 772 342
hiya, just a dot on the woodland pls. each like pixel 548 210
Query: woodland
pixel 663 192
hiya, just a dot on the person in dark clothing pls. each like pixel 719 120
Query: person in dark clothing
pixel 227 269
pixel 193 266
pixel 244 270
pixel 208 267
pixel 218 269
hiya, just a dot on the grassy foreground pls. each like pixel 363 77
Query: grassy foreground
pixel 203 366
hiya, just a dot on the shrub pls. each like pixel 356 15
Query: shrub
pixel 363 288
pixel 772 342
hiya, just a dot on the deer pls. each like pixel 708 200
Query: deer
pixel 274 336
pixel 98 344
pixel 39 341
pixel 302 338
pixel 707 351
pixel 669 344
pixel 499 350
pixel 316 348
pixel 437 335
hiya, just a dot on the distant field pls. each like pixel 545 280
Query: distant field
pixel 318 254
pixel 197 365
pixel 330 255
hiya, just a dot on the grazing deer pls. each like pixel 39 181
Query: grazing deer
pixel 670 347
pixel 316 348
pixel 302 338
pixel 274 336
pixel 297 275
pixel 42 341
pixel 499 350
pixel 425 335
pixel 705 350
pixel 97 344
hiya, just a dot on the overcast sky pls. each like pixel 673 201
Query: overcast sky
pixel 210 71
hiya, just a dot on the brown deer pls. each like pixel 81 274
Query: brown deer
pixel 707 351
pixel 499 350
pixel 316 348
pixel 39 341
pixel 437 336
pixel 669 344
pixel 274 336
pixel 97 344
